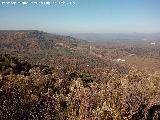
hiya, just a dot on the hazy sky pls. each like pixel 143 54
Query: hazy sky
pixel 86 16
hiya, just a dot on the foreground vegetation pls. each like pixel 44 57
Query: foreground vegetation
pixel 37 92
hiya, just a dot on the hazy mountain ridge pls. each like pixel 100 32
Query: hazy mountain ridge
pixel 117 36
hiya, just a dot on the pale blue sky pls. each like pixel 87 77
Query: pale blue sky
pixel 87 16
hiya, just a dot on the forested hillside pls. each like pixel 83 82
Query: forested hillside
pixel 42 92
pixel 51 77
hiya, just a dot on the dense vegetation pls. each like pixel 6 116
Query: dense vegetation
pixel 41 92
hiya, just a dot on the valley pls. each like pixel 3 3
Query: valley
pixel 55 77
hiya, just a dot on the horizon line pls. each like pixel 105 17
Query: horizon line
pixel 80 32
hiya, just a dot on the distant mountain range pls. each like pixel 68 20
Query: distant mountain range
pixel 116 36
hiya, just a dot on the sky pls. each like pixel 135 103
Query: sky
pixel 83 16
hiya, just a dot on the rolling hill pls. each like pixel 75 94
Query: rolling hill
pixel 54 77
